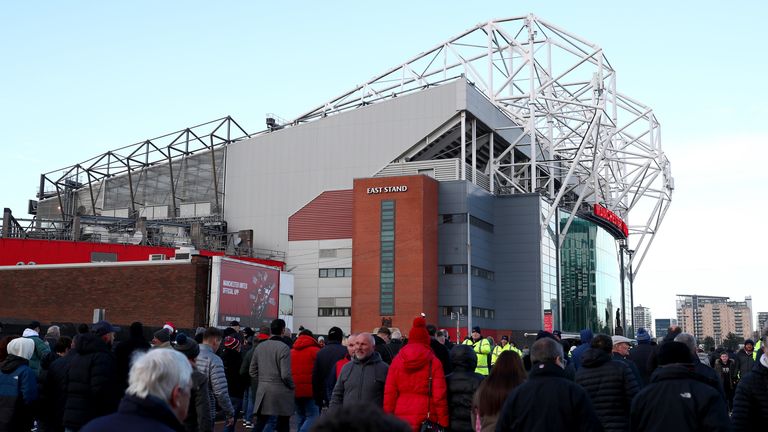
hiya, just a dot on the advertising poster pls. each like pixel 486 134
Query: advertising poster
pixel 247 293
pixel 548 324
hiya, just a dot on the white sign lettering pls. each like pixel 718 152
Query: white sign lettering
pixel 386 189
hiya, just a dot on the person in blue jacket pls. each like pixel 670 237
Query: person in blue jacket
pixel 18 387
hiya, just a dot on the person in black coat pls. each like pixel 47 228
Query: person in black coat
pixel 325 364
pixel 725 368
pixel 548 400
pixel 750 405
pixel 157 398
pixel 744 358
pixel 463 382
pixel 382 348
pixel 440 351
pixel 611 384
pixel 678 399
pixel 708 373
pixel 641 354
pixel 124 352
pixel 92 385
pixel 53 387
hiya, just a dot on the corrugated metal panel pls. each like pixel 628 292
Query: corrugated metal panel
pixel 444 169
pixel 329 216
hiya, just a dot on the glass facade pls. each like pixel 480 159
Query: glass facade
pixel 591 278
pixel 387 272
pixel 549 299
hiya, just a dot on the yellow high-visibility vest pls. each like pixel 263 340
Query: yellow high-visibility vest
pixel 482 349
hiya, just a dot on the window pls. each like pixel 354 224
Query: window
pixel 452 218
pixel 478 312
pixel 483 273
pixel 483 225
pixel 453 269
pixel 334 311
pixel 387 259
pixel 335 272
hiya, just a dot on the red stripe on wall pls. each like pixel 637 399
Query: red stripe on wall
pixel 14 251
pixel 327 217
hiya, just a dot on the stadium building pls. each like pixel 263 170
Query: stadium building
pixel 498 179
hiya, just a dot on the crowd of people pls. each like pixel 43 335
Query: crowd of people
pixel 272 380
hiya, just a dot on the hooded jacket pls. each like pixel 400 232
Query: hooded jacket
pixel 462 385
pixel 138 414
pixel 407 387
pixel 750 405
pixel 18 390
pixel 678 399
pixel 92 387
pixel 611 385
pixel 41 350
pixel 361 381
pixel 303 356
pixel 586 339
pixel 548 401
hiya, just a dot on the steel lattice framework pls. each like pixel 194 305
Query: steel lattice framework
pixel 587 143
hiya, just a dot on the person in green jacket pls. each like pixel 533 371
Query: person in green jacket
pixel 482 348
pixel 41 347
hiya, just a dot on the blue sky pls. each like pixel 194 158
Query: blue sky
pixel 81 78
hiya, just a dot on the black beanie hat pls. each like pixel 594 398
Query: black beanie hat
pixel 674 352
pixel 186 345
pixel 335 334
pixel 162 335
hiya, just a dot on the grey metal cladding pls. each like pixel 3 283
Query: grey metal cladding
pixel 271 176
pixel 517 262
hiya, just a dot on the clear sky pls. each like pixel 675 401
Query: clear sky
pixel 80 78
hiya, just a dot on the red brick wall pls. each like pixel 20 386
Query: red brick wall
pixel 415 251
pixel 148 293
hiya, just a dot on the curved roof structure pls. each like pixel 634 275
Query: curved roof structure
pixel 582 141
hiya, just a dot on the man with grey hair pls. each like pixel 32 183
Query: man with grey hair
pixel 157 397
pixel 363 378
pixel 698 367
pixel 548 400
pixel 750 404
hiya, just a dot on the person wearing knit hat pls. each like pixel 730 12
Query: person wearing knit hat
pixel 186 345
pixel 15 373
pixel 641 354
pixel 482 348
pixel 199 412
pixel 236 386
pixel 231 342
pixel 404 392
pixel 161 339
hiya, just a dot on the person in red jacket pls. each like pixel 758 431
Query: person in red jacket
pixel 303 355
pixel 409 393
